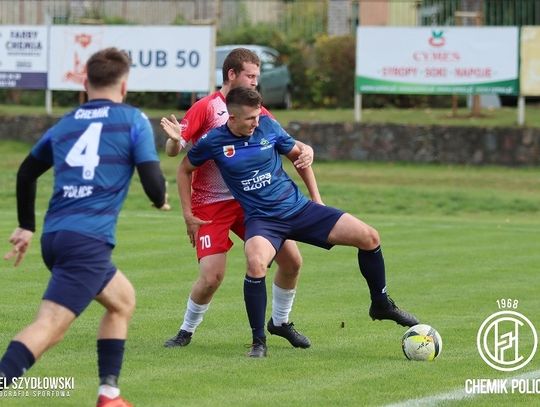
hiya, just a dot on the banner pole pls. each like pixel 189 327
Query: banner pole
pixel 521 110
pixel 357 107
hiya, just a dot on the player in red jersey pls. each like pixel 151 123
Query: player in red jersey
pixel 214 212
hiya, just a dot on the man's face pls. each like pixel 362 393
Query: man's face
pixel 247 78
pixel 244 120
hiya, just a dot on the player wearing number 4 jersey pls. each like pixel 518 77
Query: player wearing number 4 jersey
pixel 94 150
pixel 212 211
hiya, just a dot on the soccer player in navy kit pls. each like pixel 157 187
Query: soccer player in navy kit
pixel 94 150
pixel 247 152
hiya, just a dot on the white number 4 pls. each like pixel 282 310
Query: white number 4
pixel 84 152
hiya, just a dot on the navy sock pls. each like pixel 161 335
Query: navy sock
pixel 371 264
pixel 15 362
pixel 110 357
pixel 255 299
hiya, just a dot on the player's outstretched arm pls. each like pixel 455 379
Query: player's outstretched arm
pixel 307 175
pixel 305 159
pixel 173 130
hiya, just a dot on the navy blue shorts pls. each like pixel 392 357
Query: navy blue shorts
pixel 80 268
pixel 312 225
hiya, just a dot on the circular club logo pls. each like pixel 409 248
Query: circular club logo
pixel 507 340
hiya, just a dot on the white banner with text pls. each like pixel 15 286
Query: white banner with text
pixel 437 60
pixel 164 58
pixel 23 56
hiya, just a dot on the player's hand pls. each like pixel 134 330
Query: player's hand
pixel 166 206
pixel 20 239
pixel 193 224
pixel 171 127
pixel 305 159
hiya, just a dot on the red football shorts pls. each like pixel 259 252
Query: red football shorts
pixel 213 238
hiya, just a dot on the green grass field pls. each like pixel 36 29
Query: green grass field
pixel 455 240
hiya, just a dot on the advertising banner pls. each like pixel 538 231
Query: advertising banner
pixel 437 60
pixel 530 61
pixel 23 57
pixel 164 58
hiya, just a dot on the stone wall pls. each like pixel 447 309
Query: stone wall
pixel 426 144
pixel 371 142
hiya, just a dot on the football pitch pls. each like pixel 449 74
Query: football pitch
pixel 456 240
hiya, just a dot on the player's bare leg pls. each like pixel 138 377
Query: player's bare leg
pixel 289 261
pixel 51 323
pixel 351 231
pixel 118 298
pixel 211 274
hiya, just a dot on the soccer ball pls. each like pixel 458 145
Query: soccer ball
pixel 421 342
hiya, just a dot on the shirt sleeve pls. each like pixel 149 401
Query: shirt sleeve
pixel 29 171
pixel 153 182
pixel 194 120
pixel 200 152
pixel 284 141
pixel 42 150
pixel 142 136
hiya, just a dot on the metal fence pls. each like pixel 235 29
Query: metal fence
pixel 309 17
pixel 491 12
pixel 154 12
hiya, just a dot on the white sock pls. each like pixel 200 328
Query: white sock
pixel 193 316
pixel 282 301
pixel 109 391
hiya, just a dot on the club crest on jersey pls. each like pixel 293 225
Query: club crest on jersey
pixel 229 151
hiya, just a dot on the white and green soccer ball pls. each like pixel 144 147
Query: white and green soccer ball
pixel 421 342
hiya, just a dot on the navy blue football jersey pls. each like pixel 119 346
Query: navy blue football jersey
pixel 252 168
pixel 94 150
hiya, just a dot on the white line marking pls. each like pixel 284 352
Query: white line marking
pixel 455 395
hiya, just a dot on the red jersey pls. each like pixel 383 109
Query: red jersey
pixel 207 185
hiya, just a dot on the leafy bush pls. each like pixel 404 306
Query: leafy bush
pixel 293 36
pixel 332 75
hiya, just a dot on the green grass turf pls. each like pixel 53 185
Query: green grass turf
pixel 455 240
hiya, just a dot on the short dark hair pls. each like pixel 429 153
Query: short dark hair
pixel 235 60
pixel 106 67
pixel 243 97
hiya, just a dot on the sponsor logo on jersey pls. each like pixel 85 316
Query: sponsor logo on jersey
pixel 184 124
pixel 265 144
pixel 257 181
pixel 92 113
pixel 229 151
pixel 77 191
